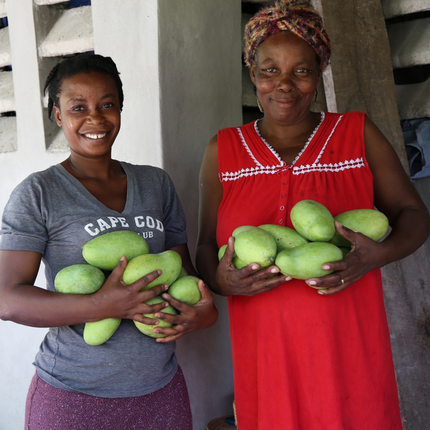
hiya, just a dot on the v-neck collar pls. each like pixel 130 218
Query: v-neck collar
pixel 275 153
pixel 84 191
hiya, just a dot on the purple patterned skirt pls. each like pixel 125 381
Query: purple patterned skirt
pixel 50 408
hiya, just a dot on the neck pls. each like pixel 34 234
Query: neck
pixel 287 132
pixel 86 168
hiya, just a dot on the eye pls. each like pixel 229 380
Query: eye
pixel 77 108
pixel 270 70
pixel 303 71
pixel 107 105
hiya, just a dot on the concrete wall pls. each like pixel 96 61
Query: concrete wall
pixel 181 69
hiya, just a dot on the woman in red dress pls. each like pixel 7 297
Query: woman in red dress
pixel 305 358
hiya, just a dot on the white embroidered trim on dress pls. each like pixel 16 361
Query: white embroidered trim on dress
pixel 331 167
pixel 296 170
pixel 232 176
pixel 306 144
pixel 247 147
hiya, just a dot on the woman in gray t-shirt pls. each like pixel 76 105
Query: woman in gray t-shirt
pixel 132 381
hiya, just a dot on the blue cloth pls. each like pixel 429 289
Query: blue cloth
pixel 416 133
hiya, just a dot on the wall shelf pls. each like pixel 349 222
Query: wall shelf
pixel 7 99
pixel 5 59
pixel 71 34
pixel 8 140
pixel 393 8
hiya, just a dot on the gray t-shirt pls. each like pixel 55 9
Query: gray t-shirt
pixel 52 213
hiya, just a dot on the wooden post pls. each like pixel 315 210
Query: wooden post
pixel 362 80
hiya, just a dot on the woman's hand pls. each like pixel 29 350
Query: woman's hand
pixel 120 300
pixel 365 255
pixel 191 318
pixel 247 281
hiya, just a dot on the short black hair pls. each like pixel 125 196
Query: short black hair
pixel 81 63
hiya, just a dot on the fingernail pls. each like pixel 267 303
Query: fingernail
pixel 311 282
pixel 288 278
pixel 274 270
pixel 254 267
pixel 320 292
pixel 326 267
pixel 157 316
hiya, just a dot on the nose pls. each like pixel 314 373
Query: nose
pixel 95 116
pixel 285 83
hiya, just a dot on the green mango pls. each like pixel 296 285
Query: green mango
pixel 221 251
pixel 345 250
pixel 255 245
pixel 169 262
pixel 240 229
pixel 370 222
pixel 186 290
pixel 237 262
pixel 149 329
pixel 305 261
pixel 99 332
pixel 79 279
pixel 313 221
pixel 105 251
pixel 182 273
pixel 286 238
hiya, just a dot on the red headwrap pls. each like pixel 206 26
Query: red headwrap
pixel 294 16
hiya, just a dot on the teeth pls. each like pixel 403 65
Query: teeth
pixel 96 136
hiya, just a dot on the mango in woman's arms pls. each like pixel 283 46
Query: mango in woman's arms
pixel 370 222
pixel 313 221
pixel 286 238
pixel 237 262
pixel 182 273
pixel 255 245
pixel 105 251
pixel 149 329
pixel 305 261
pixel 186 289
pixel 241 229
pixel 79 279
pixel 169 262
pixel 99 332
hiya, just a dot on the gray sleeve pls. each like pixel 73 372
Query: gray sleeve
pixel 24 221
pixel 174 217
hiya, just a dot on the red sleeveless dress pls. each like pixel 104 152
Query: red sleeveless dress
pixel 303 361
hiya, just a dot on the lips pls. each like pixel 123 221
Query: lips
pixel 284 102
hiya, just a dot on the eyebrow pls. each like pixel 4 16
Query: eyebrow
pixel 106 96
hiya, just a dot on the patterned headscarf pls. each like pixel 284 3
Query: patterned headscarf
pixel 294 16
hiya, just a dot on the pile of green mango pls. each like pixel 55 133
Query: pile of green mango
pixel 102 255
pixel 300 252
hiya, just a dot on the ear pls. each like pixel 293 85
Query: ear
pixel 57 116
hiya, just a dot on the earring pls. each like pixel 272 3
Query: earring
pixel 258 100
pixel 316 95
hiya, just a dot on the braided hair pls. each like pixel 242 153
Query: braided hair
pixel 81 63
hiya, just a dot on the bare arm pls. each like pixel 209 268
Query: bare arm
pixel 397 198
pixel 24 303
pixel 221 276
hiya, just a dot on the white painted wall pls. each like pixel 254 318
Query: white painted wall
pixel 181 70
